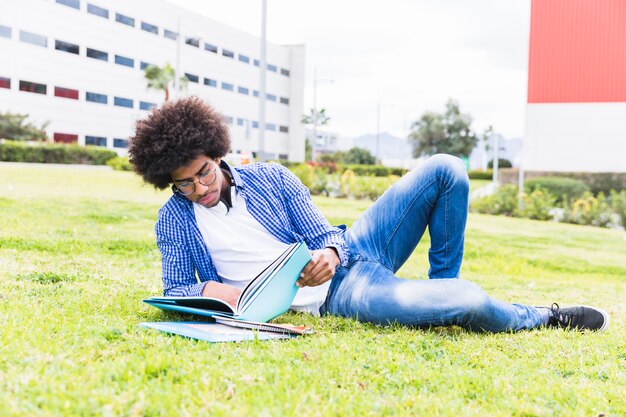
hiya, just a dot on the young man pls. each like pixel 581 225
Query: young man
pixel 226 224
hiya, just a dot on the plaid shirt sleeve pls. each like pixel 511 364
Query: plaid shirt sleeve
pixel 177 252
pixel 308 220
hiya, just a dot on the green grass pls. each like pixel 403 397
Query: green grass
pixel 77 255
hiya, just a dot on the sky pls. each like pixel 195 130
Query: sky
pixel 381 64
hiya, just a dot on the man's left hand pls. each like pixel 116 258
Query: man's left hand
pixel 320 268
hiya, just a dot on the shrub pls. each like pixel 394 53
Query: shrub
pixel 504 201
pixel 537 205
pixel 502 163
pixel 480 175
pixel 54 153
pixel 590 210
pixel 370 188
pixel 617 203
pixel 120 163
pixel 563 189
pixel 373 170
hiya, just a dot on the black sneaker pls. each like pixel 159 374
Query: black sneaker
pixel 578 318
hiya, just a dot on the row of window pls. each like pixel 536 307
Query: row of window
pixel 39 88
pixel 193 78
pixel 73 94
pixel 73 48
pixel 154 29
pixel 59 137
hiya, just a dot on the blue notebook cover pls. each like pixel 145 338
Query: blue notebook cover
pixel 268 296
pixel 213 332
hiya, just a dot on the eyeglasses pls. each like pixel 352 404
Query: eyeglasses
pixel 204 178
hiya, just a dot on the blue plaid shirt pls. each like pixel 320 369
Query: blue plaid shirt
pixel 274 196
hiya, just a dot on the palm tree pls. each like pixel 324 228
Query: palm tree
pixel 162 78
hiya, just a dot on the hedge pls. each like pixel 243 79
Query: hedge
pixel 561 188
pixel 598 182
pixel 54 153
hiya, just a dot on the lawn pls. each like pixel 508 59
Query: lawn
pixel 77 255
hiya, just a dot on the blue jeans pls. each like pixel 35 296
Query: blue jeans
pixel 434 195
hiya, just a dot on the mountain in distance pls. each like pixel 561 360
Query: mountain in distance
pixel 390 147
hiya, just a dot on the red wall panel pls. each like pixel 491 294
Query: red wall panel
pixel 577 51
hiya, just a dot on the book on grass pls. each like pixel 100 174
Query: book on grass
pixel 214 332
pixel 268 295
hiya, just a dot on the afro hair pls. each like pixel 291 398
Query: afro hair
pixel 174 135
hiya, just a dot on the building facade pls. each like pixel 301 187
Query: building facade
pixel 576 87
pixel 79 65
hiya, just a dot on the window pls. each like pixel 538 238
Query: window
pixel 96 98
pixel 95 54
pixel 120 143
pixel 227 86
pixel 285 72
pixel 144 105
pixel 66 92
pixel 75 4
pixel 283 129
pixel 210 48
pixel 272 68
pixel 5 32
pixel 150 28
pixel 126 20
pixel 192 78
pixel 243 90
pixel 31 87
pixel 193 42
pixel 33 39
pixel 97 10
pixel 143 65
pixel 229 120
pixel 210 82
pixel 271 127
pixel 227 53
pixel 5 82
pixel 255 124
pixel 123 102
pixel 95 140
pixel 240 121
pixel 255 93
pixel 64 137
pixel 170 35
pixel 284 100
pixel 271 97
pixel 256 63
pixel 72 48
pixel 122 60
pixel 244 58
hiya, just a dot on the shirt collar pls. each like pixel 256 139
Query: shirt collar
pixel 237 181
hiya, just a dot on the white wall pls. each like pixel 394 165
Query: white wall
pixel 580 137
pixel 23 61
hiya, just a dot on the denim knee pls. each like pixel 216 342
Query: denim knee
pixel 452 167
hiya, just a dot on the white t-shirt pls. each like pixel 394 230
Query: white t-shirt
pixel 241 248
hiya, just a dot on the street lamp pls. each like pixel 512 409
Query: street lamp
pixel 315 112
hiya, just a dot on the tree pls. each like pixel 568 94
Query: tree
pixel 313 115
pixel 162 78
pixel 358 155
pixel 449 132
pixel 14 127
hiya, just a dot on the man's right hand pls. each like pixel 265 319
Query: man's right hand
pixel 224 292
